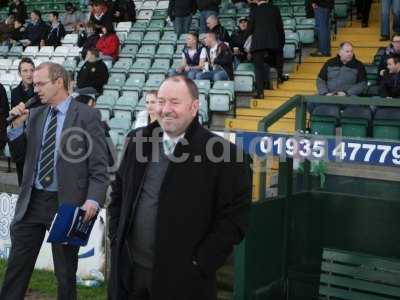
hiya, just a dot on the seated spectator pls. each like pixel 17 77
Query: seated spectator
pixel 88 38
pixel 392 49
pixel 17 33
pixel 35 31
pixel 6 28
pixel 238 38
pixel 55 33
pixel 342 75
pixel 148 115
pixel 94 72
pixel 218 65
pixel 101 14
pixel 18 8
pixel 222 33
pixel 193 57
pixel 125 11
pixel 71 18
pixel 108 43
pixel 390 83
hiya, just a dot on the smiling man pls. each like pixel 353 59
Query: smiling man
pixel 178 205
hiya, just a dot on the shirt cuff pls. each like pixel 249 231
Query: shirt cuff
pixel 14 133
pixel 94 202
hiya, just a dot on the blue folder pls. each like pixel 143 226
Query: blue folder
pixel 68 226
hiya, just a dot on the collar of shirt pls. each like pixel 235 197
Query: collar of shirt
pixel 63 106
pixel 172 140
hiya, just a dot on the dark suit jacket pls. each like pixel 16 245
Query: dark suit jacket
pixel 202 212
pixel 266 27
pixel 78 179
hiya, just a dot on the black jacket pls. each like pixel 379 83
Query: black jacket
pixel 224 58
pixel 19 11
pixel 94 75
pixel 266 27
pixel 54 35
pixel 181 8
pixel 87 42
pixel 390 85
pixel 324 3
pixel 389 51
pixel 202 212
pixel 36 32
pixel 127 10
pixel 222 34
pixel 18 94
pixel 238 38
pixel 208 5
pixel 4 110
pixel 107 18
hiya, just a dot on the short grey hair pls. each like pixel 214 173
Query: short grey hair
pixel 56 71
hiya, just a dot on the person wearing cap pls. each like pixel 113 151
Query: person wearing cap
pixel 238 39
pixel 94 72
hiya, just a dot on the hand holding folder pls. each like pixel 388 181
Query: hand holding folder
pixel 68 226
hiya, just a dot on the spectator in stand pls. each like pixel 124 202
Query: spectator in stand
pixel 363 9
pixel 94 72
pixel 149 115
pixel 222 33
pixel 4 109
pixel 101 14
pixel 386 7
pixel 342 75
pixel 390 83
pixel 392 49
pixel 180 13
pixel 72 18
pixel 218 65
pixel 125 11
pixel 18 8
pixel 55 33
pixel 268 37
pixel 193 57
pixel 238 39
pixel 322 14
pixel 6 28
pixel 18 33
pixel 108 43
pixel 207 8
pixel 88 38
pixel 239 4
pixel 22 93
pixel 35 31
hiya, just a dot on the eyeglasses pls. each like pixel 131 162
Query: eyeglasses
pixel 41 84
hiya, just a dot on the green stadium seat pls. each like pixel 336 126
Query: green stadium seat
pixel 146 51
pixel 4 51
pixel 123 65
pixel 169 38
pixel 123 26
pixel 160 65
pixel 122 35
pixel 151 38
pixel 165 51
pixel 355 121
pixel 61 51
pixel 286 11
pixel 15 64
pixel 372 74
pixel 244 77
pixel 182 39
pixel 153 82
pixel 70 64
pixel 289 24
pixel 178 51
pixel 70 39
pixel 341 9
pixel 291 45
pixel 159 14
pixel 156 25
pixel 299 10
pixel 228 23
pixel 386 124
pixel 30 51
pixel 140 26
pixel 176 63
pixel 128 51
pixel 306 30
pixel 227 13
pixel 115 81
pixel 135 84
pixel 134 38
pixel 203 109
pixel 15 51
pixel 141 65
pixel 5 63
pixel 324 119
pixel 124 107
pixel 222 95
pixel 203 86
pixel 123 124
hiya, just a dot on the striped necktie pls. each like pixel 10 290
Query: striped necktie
pixel 168 146
pixel 46 164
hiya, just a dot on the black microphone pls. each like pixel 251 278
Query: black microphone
pixel 32 101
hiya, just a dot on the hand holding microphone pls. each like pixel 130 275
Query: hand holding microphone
pixel 20 113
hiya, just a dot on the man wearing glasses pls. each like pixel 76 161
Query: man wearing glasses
pixel 64 148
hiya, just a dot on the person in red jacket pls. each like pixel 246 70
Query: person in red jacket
pixel 108 43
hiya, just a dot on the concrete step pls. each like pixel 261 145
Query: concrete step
pixel 298 85
pixel 269 103
pixel 374 43
pixel 304 76
pixel 286 94
pixel 251 124
pixel 257 112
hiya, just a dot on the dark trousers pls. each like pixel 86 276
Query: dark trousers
pixel 20 171
pixel 275 59
pixel 182 24
pixel 363 9
pixel 26 239
pixel 141 284
pixel 259 70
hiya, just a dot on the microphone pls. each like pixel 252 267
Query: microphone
pixel 32 101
